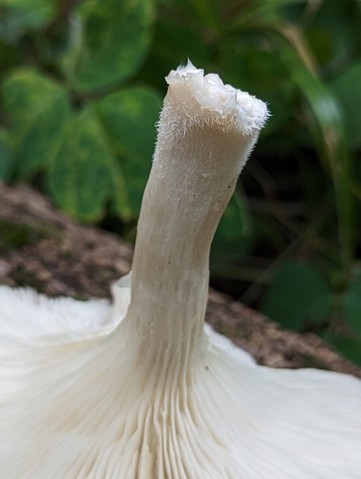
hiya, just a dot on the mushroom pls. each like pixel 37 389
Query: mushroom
pixel 141 388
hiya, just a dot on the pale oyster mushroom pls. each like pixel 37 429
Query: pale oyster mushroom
pixel 140 389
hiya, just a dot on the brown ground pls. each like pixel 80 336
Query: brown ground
pixel 42 248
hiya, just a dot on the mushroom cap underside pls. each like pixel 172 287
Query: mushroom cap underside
pixel 85 409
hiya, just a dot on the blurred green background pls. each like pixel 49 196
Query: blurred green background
pixel 81 89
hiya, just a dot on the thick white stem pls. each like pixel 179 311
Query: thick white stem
pixel 205 134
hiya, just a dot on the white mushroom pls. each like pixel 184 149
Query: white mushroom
pixel 140 389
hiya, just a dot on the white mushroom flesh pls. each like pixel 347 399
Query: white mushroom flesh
pixel 141 389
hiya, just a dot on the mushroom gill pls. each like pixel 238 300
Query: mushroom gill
pixel 141 389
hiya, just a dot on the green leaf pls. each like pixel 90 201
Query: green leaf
pixel 80 179
pixel 347 88
pixel 128 120
pixel 298 295
pixel 181 42
pixel 37 109
pixel 327 130
pixel 6 160
pixel 105 154
pixel 352 306
pixel 112 43
pixel 206 12
pixel 10 56
pixel 18 16
pixel 349 348
pixel 244 15
pixel 232 238
pixel 321 101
